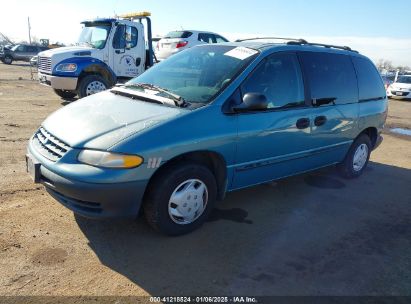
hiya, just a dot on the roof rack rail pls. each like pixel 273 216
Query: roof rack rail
pixel 345 48
pixel 299 41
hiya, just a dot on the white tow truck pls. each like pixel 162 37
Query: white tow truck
pixel 107 51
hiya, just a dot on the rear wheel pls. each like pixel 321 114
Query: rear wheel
pixel 180 199
pixel 92 84
pixel 357 157
pixel 65 94
pixel 8 59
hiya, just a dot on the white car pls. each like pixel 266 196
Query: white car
pixel 401 88
pixel 177 41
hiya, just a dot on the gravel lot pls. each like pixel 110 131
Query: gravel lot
pixel 315 234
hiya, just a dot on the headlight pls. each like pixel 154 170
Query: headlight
pixel 66 67
pixel 109 160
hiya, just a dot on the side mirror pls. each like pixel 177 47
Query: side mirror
pixel 252 102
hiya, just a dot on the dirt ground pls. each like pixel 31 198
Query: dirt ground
pixel 315 234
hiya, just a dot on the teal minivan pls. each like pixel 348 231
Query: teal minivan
pixel 209 120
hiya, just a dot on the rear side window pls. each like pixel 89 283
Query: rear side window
pixel 178 34
pixel 370 85
pixel 331 76
pixel 207 38
pixel 279 79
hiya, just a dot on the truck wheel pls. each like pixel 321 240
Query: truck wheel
pixel 180 199
pixel 8 59
pixel 92 84
pixel 65 94
pixel 357 158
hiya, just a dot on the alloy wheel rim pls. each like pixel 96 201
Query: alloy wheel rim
pixel 95 87
pixel 188 201
pixel 360 157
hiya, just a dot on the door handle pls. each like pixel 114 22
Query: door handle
pixel 320 120
pixel 138 61
pixel 303 123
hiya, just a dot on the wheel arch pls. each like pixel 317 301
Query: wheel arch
pixel 372 133
pixel 99 69
pixel 214 161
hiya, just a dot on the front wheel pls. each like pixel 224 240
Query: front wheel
pixel 8 59
pixel 65 94
pixel 357 157
pixel 180 199
pixel 92 84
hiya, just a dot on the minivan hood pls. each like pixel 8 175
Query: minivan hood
pixel 101 120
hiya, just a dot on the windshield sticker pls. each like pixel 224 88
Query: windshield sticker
pixel 241 53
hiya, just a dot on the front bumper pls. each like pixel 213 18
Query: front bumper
pixel 398 94
pixel 58 82
pixel 114 200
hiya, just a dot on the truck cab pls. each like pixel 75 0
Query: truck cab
pixel 107 50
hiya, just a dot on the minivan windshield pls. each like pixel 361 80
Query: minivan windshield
pixel 94 34
pixel 197 74
pixel 404 79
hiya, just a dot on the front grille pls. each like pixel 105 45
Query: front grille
pixel 44 64
pixel 49 146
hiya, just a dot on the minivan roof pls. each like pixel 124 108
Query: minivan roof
pixel 264 46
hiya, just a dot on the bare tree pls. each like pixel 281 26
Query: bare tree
pixel 383 64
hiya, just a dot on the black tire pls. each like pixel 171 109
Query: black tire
pixel 157 198
pixel 86 81
pixel 8 59
pixel 346 168
pixel 65 94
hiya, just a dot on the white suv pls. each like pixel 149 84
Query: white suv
pixel 178 41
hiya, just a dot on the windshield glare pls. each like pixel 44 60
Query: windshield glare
pixel 95 35
pixel 404 79
pixel 197 74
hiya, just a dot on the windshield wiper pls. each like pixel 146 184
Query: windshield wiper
pixel 178 100
pixel 132 96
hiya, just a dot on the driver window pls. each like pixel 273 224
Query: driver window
pixel 119 41
pixel 279 78
pixel 131 36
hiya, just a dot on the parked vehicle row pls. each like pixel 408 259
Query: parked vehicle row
pixel 276 109
pixel 20 52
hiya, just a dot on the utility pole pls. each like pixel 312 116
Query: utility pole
pixel 28 22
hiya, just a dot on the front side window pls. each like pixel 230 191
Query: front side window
pixel 197 74
pixel 279 79
pixel 220 39
pixel 331 76
pixel 204 37
pixel 125 37
pixel 94 34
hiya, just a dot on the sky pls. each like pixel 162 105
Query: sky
pixel 369 26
